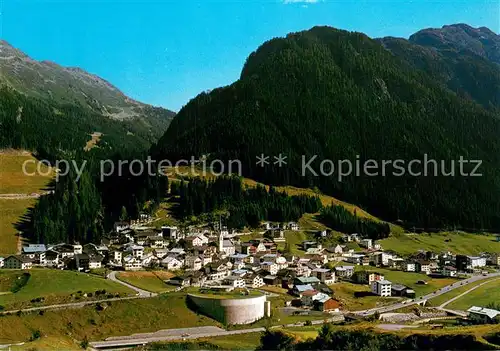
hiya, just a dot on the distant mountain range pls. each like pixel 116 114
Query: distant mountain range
pixel 338 94
pixel 62 87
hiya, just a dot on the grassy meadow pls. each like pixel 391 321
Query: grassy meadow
pixel 456 242
pixel 104 320
pixel 55 286
pixel 14 181
pixel 152 281
pixel 481 296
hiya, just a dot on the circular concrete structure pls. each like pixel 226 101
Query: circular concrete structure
pixel 231 311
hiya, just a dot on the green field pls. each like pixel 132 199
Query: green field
pixel 437 301
pixel 12 178
pixel 481 296
pixel 54 286
pixel 14 181
pixel 111 319
pixel 11 212
pixel 458 243
pixel 147 280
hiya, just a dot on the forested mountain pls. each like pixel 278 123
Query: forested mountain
pixel 338 94
pixel 42 101
pixel 465 59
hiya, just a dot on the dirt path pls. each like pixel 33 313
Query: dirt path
pixel 23 196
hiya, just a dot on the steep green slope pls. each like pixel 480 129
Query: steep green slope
pixel 337 95
pixel 464 59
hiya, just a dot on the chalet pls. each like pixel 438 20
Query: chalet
pixel 326 276
pixel 449 271
pixel 254 280
pixel 155 242
pixel 326 303
pixel 270 267
pixel 171 263
pixel 217 270
pixel 344 271
pixel 495 259
pixel 292 226
pixel 51 259
pixel 121 226
pixel 161 253
pixel 171 233
pixel 116 256
pixel 307 280
pixel 356 259
pixel 135 250
pixel 65 250
pixel 227 248
pixel 234 281
pixel 17 262
pixel 150 260
pixel 86 262
pixel 180 280
pixel 409 266
pixel 298 290
pixel 34 251
pixel 423 266
pixel 1 262
pixel 366 243
pixel 132 263
pixel 193 262
pixel 197 240
pixel 401 290
pixel 367 277
pixel 271 280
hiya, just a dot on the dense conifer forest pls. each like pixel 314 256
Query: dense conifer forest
pixel 337 95
pixel 246 206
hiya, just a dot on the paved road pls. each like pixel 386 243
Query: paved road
pixel 184 334
pixel 441 291
pixel 140 292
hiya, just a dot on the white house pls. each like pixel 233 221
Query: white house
pixel 171 263
pixel 366 243
pixel 193 262
pixel 270 267
pixel 17 262
pixel 449 271
pixel 382 288
pixel 409 267
pixel 254 280
pixel 132 263
pixel 136 250
pixel 234 281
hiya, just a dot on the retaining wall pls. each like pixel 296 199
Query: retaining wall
pixel 231 311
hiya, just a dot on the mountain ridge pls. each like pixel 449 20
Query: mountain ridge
pixel 45 79
pixel 337 94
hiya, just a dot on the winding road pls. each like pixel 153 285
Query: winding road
pixel 140 292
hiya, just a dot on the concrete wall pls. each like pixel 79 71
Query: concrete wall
pixel 231 311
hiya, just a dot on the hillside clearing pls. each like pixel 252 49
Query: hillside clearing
pixel 56 286
pixel 105 320
pixel 152 281
pixel 481 296
pixel 456 242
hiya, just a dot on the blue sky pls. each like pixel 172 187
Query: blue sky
pixel 166 52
